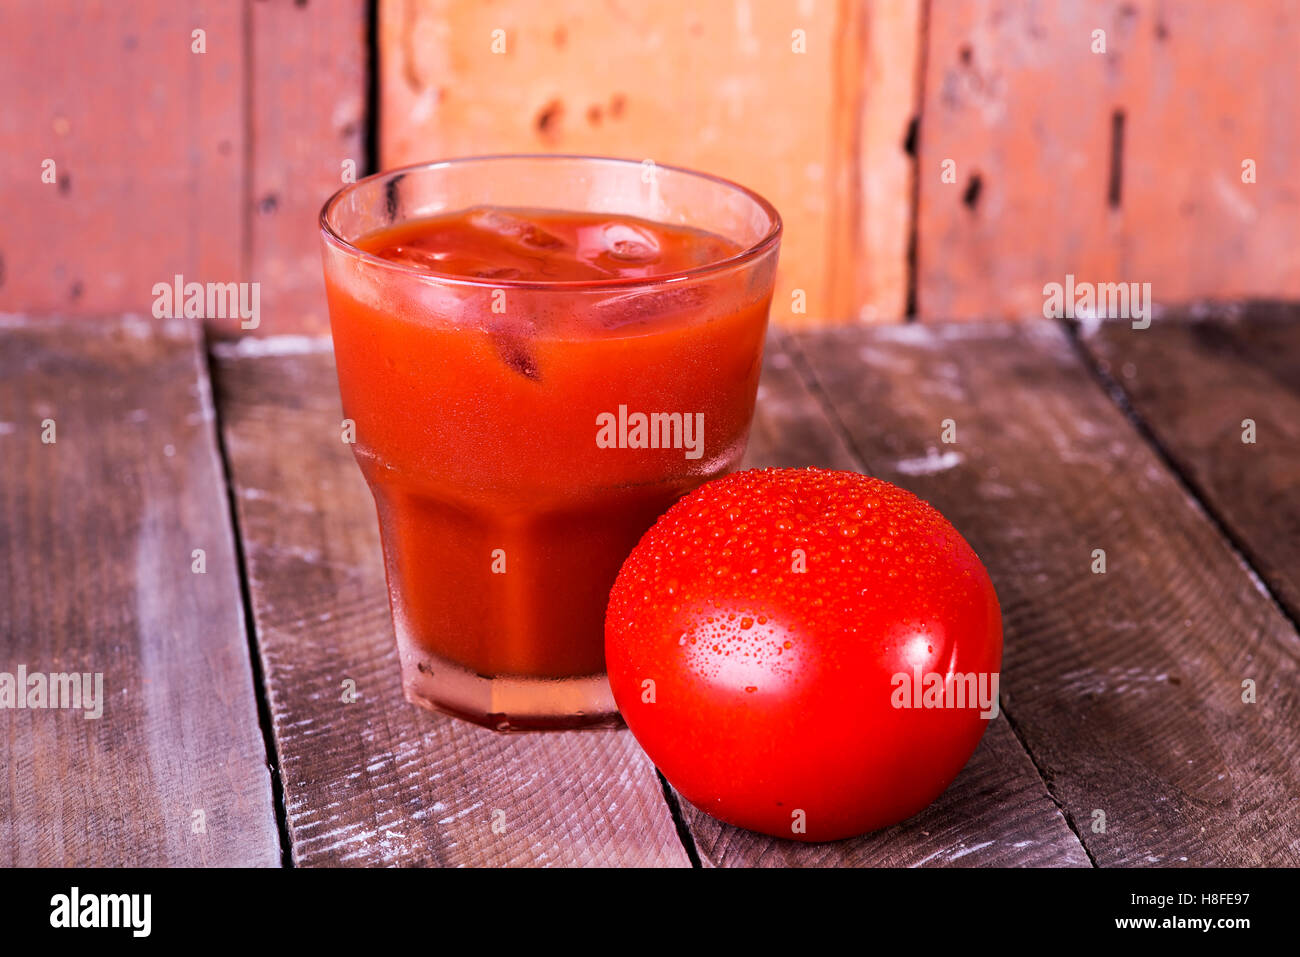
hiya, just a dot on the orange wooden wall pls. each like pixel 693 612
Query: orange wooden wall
pixel 1123 165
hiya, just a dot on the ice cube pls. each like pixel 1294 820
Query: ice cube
pixel 415 256
pixel 627 243
pixel 512 341
pixel 515 228
pixel 642 307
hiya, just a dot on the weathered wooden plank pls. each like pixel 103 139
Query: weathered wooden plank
pixel 869 203
pixel 146 137
pixel 379 781
pixel 809 103
pixel 1166 159
pixel 1195 381
pixel 790 427
pixel 111 482
pixel 996 813
pixel 1127 685
pixel 307 130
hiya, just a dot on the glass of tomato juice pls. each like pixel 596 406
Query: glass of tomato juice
pixel 539 355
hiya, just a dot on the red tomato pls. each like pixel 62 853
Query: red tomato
pixel 764 642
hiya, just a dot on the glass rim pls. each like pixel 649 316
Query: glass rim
pixel 751 252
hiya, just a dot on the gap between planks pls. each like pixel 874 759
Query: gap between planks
pixel 245 595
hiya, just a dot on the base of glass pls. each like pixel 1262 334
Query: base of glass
pixel 508 702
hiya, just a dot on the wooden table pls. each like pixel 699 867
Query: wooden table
pixel 226 737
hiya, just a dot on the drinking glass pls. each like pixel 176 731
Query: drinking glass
pixel 519 436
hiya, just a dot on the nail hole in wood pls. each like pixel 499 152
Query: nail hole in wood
pixel 548 120
pixel 909 141
pixel 1114 191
